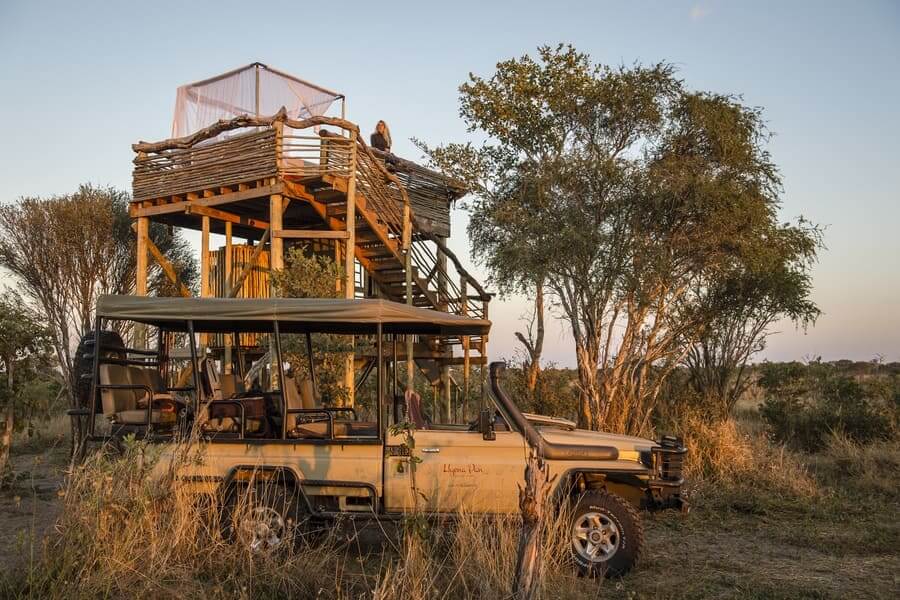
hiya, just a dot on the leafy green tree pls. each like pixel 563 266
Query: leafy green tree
pixel 66 251
pixel 774 284
pixel 310 275
pixel 24 349
pixel 635 197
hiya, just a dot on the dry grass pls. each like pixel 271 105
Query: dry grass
pixel 123 533
pixel 767 523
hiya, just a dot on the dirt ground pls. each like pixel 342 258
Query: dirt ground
pixel 30 503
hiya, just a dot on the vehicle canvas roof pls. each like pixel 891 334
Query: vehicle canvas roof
pixel 323 315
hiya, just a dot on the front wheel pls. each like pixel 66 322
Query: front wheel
pixel 607 535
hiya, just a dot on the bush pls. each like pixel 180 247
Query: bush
pixel 806 404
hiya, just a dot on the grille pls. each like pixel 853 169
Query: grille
pixel 669 458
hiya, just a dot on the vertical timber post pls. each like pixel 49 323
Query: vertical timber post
pixel 350 260
pixel 140 287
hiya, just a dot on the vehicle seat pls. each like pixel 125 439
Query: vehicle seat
pixel 121 406
pixel 141 376
pixel 414 408
pixel 300 395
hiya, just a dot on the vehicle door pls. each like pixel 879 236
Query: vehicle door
pixel 455 468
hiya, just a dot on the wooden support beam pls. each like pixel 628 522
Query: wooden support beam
pixel 227 217
pixel 143 236
pixel 204 259
pixel 311 234
pixel 141 273
pixel 239 281
pixel 180 205
pixel 164 263
pixel 276 260
pixel 168 269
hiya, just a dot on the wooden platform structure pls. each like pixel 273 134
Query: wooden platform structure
pixel 274 181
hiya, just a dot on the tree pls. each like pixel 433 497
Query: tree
pixel 24 348
pixel 310 275
pixel 65 251
pixel 776 285
pixel 638 196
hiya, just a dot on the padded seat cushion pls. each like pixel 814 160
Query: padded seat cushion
pixel 139 417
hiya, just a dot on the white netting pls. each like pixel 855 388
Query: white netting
pixel 251 90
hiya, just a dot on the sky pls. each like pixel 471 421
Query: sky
pixel 81 81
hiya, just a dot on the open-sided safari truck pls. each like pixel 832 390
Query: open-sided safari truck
pixel 268 416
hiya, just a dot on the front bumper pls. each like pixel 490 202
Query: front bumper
pixel 667 465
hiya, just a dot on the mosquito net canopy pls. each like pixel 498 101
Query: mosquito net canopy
pixel 252 90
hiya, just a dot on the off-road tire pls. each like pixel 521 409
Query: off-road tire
pixel 263 509
pixel 112 345
pixel 615 515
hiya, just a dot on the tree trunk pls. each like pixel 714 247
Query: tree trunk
pixel 534 345
pixel 527 582
pixel 590 396
pixel 6 437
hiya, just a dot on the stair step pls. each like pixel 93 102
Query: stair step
pixel 330 196
pixel 398 277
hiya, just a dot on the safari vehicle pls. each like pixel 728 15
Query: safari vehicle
pixel 266 418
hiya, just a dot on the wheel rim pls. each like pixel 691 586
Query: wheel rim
pixel 263 530
pixel 595 537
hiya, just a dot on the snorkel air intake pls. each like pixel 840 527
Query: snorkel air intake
pixel 546 450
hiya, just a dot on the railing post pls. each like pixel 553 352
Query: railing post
pixel 279 145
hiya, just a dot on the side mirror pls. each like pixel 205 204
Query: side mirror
pixel 486 424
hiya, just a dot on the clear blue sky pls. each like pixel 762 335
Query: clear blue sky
pixel 81 81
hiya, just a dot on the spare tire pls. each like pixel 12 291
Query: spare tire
pixel 111 346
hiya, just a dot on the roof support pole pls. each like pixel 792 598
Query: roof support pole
pixel 276 262
pixel 483 351
pixel 442 305
pixel 464 311
pixel 205 283
pixel 350 261
pixel 228 366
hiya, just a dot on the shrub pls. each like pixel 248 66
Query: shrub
pixel 806 404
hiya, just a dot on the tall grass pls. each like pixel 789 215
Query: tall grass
pixel 125 533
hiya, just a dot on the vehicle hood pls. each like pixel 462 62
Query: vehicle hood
pixel 586 437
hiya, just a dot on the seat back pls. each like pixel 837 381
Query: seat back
pixel 209 379
pixel 231 385
pixel 156 380
pixel 115 401
pixel 307 395
pixel 414 408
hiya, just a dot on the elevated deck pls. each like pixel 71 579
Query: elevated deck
pixel 275 181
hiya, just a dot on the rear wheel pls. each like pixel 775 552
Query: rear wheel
pixel 264 518
pixel 606 535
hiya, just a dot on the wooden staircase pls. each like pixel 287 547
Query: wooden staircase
pixel 379 249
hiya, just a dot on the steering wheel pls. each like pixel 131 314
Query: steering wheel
pixel 498 422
